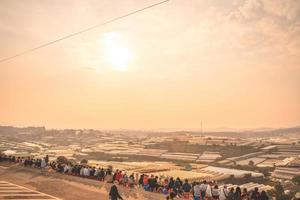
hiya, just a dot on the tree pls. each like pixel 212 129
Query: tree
pixel 188 167
pixel 72 162
pixel 62 160
pixel 84 161
pixel 251 163
pixel 278 192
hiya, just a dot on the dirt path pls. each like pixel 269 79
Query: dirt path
pixel 67 187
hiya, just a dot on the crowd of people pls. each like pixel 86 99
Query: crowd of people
pixel 171 187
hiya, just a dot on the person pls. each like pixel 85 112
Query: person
pixel 131 181
pixel 119 176
pixel 171 196
pixel 124 179
pixel 66 167
pixel 92 171
pixel 186 189
pixel 224 193
pixel 86 172
pixel 197 191
pixel 114 193
pixel 152 183
pixel 245 194
pixel 171 183
pixel 178 183
pixel 215 192
pixel 43 163
pixel 255 194
pixel 47 159
pixel 231 194
pixel 137 179
pixel 159 185
pixel 108 177
pixel 146 183
pixel 141 181
pixel 297 196
pixel 238 194
pixel 203 188
pixel 208 193
pixel 264 196
pixel 101 175
pixel 81 173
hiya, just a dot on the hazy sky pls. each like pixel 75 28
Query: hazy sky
pixel 229 63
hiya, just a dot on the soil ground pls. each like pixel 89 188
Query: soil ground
pixel 65 186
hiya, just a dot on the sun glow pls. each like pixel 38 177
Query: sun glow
pixel 117 53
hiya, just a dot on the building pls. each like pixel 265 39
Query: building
pixel 285 173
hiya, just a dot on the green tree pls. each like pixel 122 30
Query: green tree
pixel 72 162
pixel 84 161
pixel 62 160
pixel 251 163
pixel 188 167
pixel 278 192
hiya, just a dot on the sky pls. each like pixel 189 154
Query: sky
pixel 230 64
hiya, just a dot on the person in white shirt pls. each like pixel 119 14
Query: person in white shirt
pixel 197 191
pixel 86 171
pixel 203 188
pixel 224 193
pixel 82 171
pixel 66 167
pixel 208 193
pixel 96 172
pixel 43 163
pixel 137 179
pixel 215 192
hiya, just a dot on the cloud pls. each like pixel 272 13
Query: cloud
pixel 255 9
pixel 251 9
pixel 268 27
pixel 288 9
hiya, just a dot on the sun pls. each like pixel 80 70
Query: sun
pixel 118 55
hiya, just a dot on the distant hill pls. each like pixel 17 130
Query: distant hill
pixel 265 132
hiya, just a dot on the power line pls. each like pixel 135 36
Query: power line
pixel 80 32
